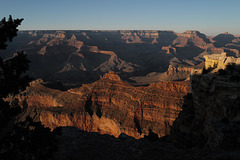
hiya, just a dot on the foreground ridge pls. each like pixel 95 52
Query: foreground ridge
pixel 108 106
pixel 210 115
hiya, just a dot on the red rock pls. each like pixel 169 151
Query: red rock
pixel 108 106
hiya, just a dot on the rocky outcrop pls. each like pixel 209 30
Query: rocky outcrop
pixel 75 43
pixel 195 37
pixel 108 106
pixel 43 50
pixel 169 49
pixel 220 61
pixel 210 116
pixel 61 35
pixel 224 38
pixel 176 73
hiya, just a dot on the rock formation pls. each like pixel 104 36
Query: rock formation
pixel 220 61
pixel 108 106
pixel 210 115
pixel 223 39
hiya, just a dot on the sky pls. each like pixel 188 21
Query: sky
pixel 210 17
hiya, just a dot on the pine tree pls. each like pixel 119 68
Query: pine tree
pixel 11 70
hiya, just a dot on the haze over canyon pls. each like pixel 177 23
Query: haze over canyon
pixel 139 57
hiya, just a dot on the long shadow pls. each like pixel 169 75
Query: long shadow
pixel 137 125
pixel 219 104
pixel 188 52
pixel 88 106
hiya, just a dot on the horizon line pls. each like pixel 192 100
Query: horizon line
pixel 105 30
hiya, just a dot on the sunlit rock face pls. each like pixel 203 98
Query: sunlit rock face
pixel 211 115
pixel 220 61
pixel 108 106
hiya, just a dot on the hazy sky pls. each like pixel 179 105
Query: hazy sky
pixel 208 16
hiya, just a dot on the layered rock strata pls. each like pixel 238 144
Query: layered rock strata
pixel 108 106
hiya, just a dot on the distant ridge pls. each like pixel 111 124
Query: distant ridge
pixel 140 57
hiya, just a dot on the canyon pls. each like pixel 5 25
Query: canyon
pixel 196 119
pixel 123 90
pixel 139 57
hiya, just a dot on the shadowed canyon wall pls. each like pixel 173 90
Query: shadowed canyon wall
pixel 211 115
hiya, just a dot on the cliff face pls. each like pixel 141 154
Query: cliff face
pixel 108 106
pixel 194 37
pixel 210 116
pixel 145 36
